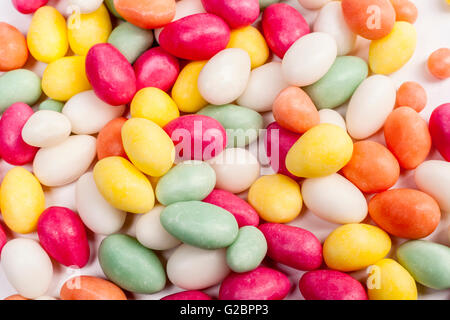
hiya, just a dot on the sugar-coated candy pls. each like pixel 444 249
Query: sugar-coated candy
pixel 433 178
pixel 14 50
pixel 19 85
pixel 187 295
pixel 28 6
pixel 146 14
pixel 440 129
pixel 90 288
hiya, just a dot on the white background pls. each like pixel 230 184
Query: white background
pixel 433 27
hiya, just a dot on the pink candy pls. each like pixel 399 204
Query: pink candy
pixel 237 13
pixel 28 6
pixel 188 295
pixel 62 234
pixel 3 238
pixel 440 129
pixel 12 147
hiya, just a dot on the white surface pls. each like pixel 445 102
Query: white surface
pixel 433 26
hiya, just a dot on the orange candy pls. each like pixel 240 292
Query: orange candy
pixel 91 288
pixel 15 297
pixel 413 95
pixel 294 110
pixel 109 140
pixel 13 48
pixel 405 213
pixel 408 137
pixel 405 10
pixel 146 14
pixel 439 63
pixel 372 167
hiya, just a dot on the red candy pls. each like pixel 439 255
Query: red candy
pixel 195 37
pixel 188 295
pixel 62 234
pixel 28 6
pixel 12 147
pixel 282 26
pixel 260 284
pixel 156 68
pixel 440 129
pixel 3 238
pixel 237 13
pixel 110 74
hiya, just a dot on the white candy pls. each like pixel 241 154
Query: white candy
pixel 370 106
pixel 63 196
pixel 66 162
pixel 332 117
pixel 309 59
pixel 46 128
pixel 151 234
pixel 264 85
pixel 236 169
pixel 433 178
pixel 313 4
pixel 86 6
pixel 331 20
pixel 88 114
pixel 193 268
pixel 225 76
pixel 95 212
pixel 27 267
pixel 335 199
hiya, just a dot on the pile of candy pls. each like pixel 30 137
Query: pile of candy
pixel 153 108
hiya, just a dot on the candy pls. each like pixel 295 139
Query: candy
pixel 131 40
pixel 195 37
pixel 123 186
pixel 370 106
pixel 251 40
pixel 372 168
pixel 88 114
pixel 188 295
pixel 109 140
pixel 19 86
pixel 225 76
pixel 294 110
pixel 411 94
pixel 66 162
pixel 260 284
pixel 330 285
pixel 14 50
pixel 332 117
pixel 440 129
pixel 433 178
pixel 189 180
pixel 335 199
pixel 116 85
pixel 87 6
pixel 407 137
pixel 339 83
pixel 155 105
pixel 427 262
pixel 3 238
pixel 130 265
pixel 90 288
pixel 366 245
pixel 405 213
pixel 399 45
pixel 282 25
pixel 292 246
pixel 321 151
pixel 13 149
pixel 312 4
pixel 27 267
pixel 237 13
pixel 21 216
pixel 51 105
pixel 146 14
pixel 15 297
pixel 62 235
pixel 392 282
pixel 47 35
pixel 276 198
pixel 205 268
pixel 28 6
pixel 46 128
pixel 63 196
pixel 242 124
pixel 405 10
pixel 247 251
pixel 439 63
pixel 95 212
pixel 112 8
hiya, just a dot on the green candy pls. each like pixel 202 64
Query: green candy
pixel 51 104
pixel 427 262
pixel 112 8
pixel 130 40
pixel 242 124
pixel 130 265
pixel 19 86
pixel 189 180
pixel 339 83
pixel 200 224
pixel 265 3
pixel 247 251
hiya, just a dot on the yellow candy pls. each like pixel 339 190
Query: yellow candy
pixel 22 200
pixel 388 280
pixel 354 246
pixel 64 78
pixel 392 52
pixel 185 90
pixel 252 41
pixel 124 186
pixel 86 30
pixel 155 105
pixel 47 35
pixel 148 146
pixel 276 198
pixel 321 151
